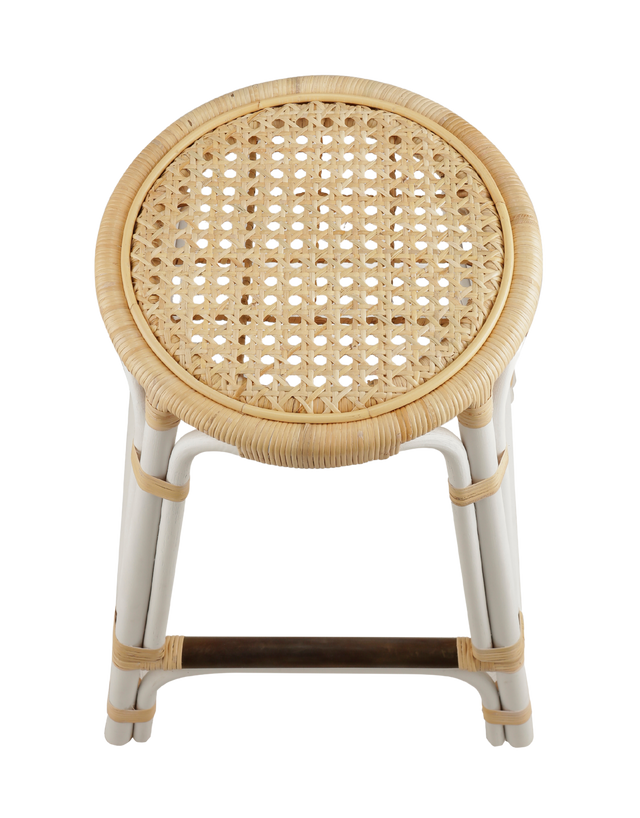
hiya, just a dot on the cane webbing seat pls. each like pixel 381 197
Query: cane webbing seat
pixel 319 269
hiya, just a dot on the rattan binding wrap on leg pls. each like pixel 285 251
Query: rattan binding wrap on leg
pixel 505 660
pixel 130 716
pixel 126 657
pixel 154 485
pixel 168 657
pixel 507 716
pixel 483 488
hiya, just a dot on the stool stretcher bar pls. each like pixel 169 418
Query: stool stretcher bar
pixel 273 652
pixel 318 652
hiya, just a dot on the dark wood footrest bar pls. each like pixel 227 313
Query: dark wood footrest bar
pixel 272 652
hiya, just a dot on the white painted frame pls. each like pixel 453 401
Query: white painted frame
pixel 486 533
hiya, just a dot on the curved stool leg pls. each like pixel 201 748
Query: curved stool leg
pixel 134 573
pixel 135 430
pixel 501 589
pixel 168 543
pixel 466 528
pixel 509 490
pixel 502 399
pixel 184 452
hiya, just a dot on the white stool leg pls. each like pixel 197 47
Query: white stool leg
pixel 509 486
pixel 168 541
pixel 466 529
pixel 456 462
pixel 502 398
pixel 135 572
pixel 465 526
pixel 502 596
pixel 185 450
pixel 135 430
pixel 509 492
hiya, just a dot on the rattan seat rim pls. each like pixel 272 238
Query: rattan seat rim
pixel 320 440
pixel 352 415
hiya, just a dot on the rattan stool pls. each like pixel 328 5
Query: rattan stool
pixel 319 272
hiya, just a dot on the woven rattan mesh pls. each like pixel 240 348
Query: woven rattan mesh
pixel 317 257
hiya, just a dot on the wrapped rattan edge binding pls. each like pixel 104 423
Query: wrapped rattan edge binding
pixel 125 657
pixel 168 657
pixel 130 716
pixel 477 417
pixel 502 660
pixel 507 717
pixel 159 420
pixel 483 488
pixel 154 485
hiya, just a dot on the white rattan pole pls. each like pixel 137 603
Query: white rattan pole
pixel 509 495
pixel 482 682
pixel 502 397
pixel 502 599
pixel 185 450
pixel 135 430
pixel 510 485
pixel 137 554
pixel 466 530
pixel 178 472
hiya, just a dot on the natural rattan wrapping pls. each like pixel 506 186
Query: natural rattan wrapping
pixel 130 716
pixel 317 257
pixel 333 438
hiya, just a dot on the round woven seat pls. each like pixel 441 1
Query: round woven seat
pixel 319 269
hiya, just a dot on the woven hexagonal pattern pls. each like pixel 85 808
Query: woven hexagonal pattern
pixel 317 257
